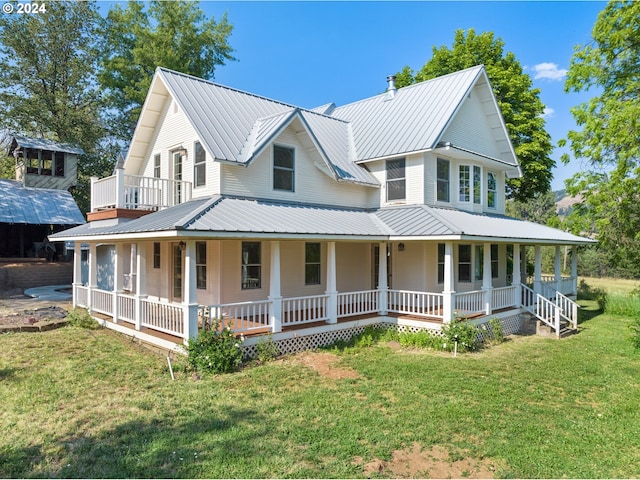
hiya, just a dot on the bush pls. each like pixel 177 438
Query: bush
pixel 626 305
pixel 422 339
pixel 463 332
pixel 216 350
pixel 587 292
pixel 267 350
pixel 635 333
pixel 79 317
pixel 495 330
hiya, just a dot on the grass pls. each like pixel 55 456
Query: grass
pixel 83 404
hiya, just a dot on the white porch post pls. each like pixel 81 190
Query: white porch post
pixel 141 280
pixel 574 269
pixel 558 268
pixel 77 271
pixel 383 286
pixel 486 277
pixel 93 180
pixel 524 275
pixel 189 298
pixel 275 295
pixel 448 292
pixel 118 278
pixel 93 275
pixel 119 173
pixel 537 287
pixel 332 304
pixel 517 279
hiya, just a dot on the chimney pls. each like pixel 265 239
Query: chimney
pixel 391 89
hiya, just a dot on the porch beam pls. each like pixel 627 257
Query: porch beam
pixel 189 298
pixel 118 278
pixel 537 279
pixel 275 294
pixel 77 271
pixel 517 275
pixel 140 250
pixel 558 268
pixel 332 291
pixel 574 269
pixel 448 293
pixel 93 274
pixel 486 277
pixel 383 286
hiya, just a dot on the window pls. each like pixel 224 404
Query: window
pixel 283 168
pixel 156 254
pixel 494 261
pixel 156 166
pixel 464 263
pixel 442 175
pixel 396 182
pixel 479 262
pixel 58 164
pixel 32 161
pixel 441 253
pixel 251 265
pixel 201 265
pixel 312 264
pixel 492 190
pixel 47 162
pixel 200 166
pixel 477 185
pixel 465 183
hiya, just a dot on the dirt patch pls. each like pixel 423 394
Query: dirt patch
pixel 436 462
pixel 324 364
pixel 17 310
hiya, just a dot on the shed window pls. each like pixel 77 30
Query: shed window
pixel 59 164
pixel 47 163
pixel 312 264
pixel 283 168
pixel 200 166
pixel 251 265
pixel 396 180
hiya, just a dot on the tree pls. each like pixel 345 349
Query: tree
pixel 519 103
pixel 143 36
pixel 610 136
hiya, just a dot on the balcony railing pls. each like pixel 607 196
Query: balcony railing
pixel 135 192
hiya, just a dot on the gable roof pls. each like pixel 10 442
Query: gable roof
pixel 231 217
pixel 37 206
pixel 21 141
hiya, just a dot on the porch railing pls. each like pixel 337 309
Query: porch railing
pixel 163 317
pixel 357 303
pixel 126 308
pixel 415 303
pixel 137 192
pixel 470 303
pixel 299 310
pixel 102 301
pixel 239 317
pixel 504 297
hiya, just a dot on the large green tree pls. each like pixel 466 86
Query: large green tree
pixel 609 139
pixel 145 35
pixel 519 103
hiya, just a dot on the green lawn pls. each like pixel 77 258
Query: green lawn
pixel 80 403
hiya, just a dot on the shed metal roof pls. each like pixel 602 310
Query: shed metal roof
pixel 42 144
pixel 227 216
pixel 37 206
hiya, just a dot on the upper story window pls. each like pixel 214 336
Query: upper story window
pixel 44 162
pixel 251 265
pixel 199 166
pixel 312 264
pixel 477 185
pixel 465 183
pixel 156 166
pixel 396 180
pixel 492 190
pixel 442 175
pixel 283 168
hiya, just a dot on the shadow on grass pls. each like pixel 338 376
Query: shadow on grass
pixel 6 373
pixel 588 310
pixel 158 448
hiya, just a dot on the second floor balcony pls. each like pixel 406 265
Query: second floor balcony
pixel 135 193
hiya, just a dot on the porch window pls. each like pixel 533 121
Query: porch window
pixel 200 166
pixel 283 168
pixel 251 265
pixel 441 254
pixel 156 166
pixel 492 190
pixel 494 261
pixel 465 183
pixel 477 185
pixel 479 262
pixel 312 264
pixel 464 263
pixel 396 180
pixel 58 164
pixel 442 175
pixel 201 265
pixel 156 254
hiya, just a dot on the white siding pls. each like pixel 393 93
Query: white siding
pixel 311 185
pixel 353 270
pixel 408 266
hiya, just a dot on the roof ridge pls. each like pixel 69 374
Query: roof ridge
pixel 191 217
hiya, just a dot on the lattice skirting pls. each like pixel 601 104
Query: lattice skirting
pixel 510 325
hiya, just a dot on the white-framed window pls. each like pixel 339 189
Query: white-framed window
pixel 156 255
pixel 251 275
pixel 464 179
pixel 312 265
pixel 477 185
pixel 464 263
pixel 201 265
pixel 156 166
pixel 441 257
pixel 442 179
pixel 492 190
pixel 479 261
pixel 283 168
pixel 199 166
pixel 396 180
pixel 494 260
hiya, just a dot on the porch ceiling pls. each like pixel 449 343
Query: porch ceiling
pixel 228 217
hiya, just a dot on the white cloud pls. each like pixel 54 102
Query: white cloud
pixel 549 71
pixel 548 112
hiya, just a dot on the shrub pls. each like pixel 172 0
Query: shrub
pixel 216 350
pixel 267 349
pixel 422 339
pixel 495 330
pixel 463 332
pixel 626 305
pixel 79 317
pixel 635 333
pixel 587 292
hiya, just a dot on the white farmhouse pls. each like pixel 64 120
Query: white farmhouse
pixel 312 224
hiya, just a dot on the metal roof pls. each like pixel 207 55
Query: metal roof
pixel 229 216
pixel 42 144
pixel 37 206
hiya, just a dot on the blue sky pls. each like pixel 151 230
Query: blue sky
pixel 312 53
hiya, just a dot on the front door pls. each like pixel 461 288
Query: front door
pixel 176 284
pixel 376 265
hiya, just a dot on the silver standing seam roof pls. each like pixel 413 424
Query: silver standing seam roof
pixel 21 141
pixel 226 217
pixel 37 206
